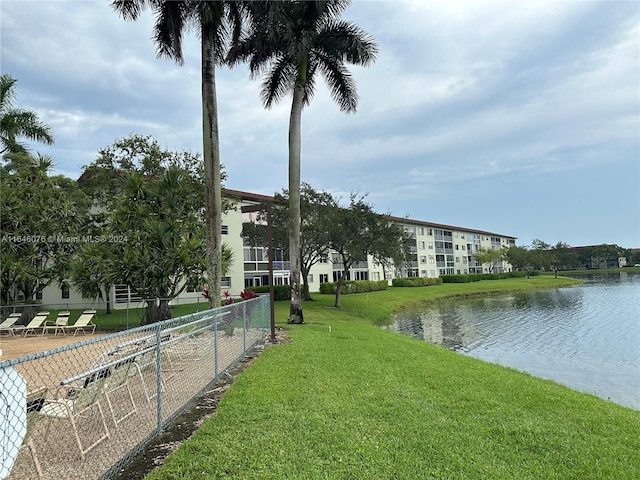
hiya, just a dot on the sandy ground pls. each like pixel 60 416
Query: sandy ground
pixel 16 347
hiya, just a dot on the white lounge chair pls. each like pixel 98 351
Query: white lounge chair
pixel 74 399
pixel 35 401
pixel 32 327
pixel 62 320
pixel 7 326
pixel 83 323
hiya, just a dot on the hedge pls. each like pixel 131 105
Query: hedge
pixel 415 282
pixel 280 292
pixel 354 286
pixel 476 277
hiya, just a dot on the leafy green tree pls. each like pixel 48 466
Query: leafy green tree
pixel 162 247
pixel 16 123
pixel 490 256
pixel 357 231
pixel 522 258
pixel 562 258
pixel 291 42
pixel 93 268
pixel 602 254
pixel 149 227
pixel 313 229
pixel 218 23
pixel 43 221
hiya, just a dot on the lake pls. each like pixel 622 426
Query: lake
pixel 585 337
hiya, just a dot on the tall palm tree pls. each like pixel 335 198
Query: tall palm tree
pixel 288 43
pixel 219 24
pixel 16 122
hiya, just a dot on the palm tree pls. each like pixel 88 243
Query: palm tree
pixel 289 42
pixel 16 122
pixel 219 23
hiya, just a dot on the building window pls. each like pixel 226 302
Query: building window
pixel 324 259
pixel 225 229
pixel 375 276
pixel 430 245
pixel 421 231
pixel 38 295
pixel 457 247
pixel 433 273
pixel 362 275
pixel 421 245
pixel 310 278
pixel 324 278
pixel 64 290
pixel 423 259
pixel 225 282
pixel 430 231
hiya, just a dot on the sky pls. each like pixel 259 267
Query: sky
pixel 517 118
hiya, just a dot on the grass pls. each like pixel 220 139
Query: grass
pixel 357 402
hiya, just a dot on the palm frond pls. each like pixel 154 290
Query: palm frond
pixel 279 81
pixel 171 18
pixel 341 83
pixel 346 40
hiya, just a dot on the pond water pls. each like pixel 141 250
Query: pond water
pixel 586 337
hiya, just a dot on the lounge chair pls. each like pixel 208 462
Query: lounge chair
pixel 35 401
pixel 7 326
pixel 120 372
pixel 74 399
pixel 32 327
pixel 83 323
pixel 62 320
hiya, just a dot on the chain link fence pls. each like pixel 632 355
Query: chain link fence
pixel 83 411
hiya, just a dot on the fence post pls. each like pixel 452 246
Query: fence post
pixel 159 379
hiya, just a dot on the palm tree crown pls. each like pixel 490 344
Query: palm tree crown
pixel 17 122
pixel 290 41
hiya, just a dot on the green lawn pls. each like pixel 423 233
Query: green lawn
pixel 357 402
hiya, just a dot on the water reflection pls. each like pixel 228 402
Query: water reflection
pixel 587 337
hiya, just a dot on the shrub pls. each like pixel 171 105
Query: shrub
pixel 280 292
pixel 354 286
pixel 415 282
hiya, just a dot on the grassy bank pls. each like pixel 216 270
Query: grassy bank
pixel 357 402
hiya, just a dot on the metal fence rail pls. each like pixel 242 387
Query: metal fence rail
pixel 84 410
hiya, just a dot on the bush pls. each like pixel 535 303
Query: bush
pixel 354 286
pixel 415 282
pixel 280 292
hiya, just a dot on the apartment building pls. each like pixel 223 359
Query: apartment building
pixel 436 249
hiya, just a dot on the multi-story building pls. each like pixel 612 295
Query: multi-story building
pixel 436 249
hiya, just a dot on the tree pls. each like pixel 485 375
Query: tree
pixel 357 231
pixel 161 245
pixel 16 123
pixel 290 42
pixel 313 229
pixel 218 23
pixel 521 258
pixel 148 205
pixel 42 223
pixel 490 256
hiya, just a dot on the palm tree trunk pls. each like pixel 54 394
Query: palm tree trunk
pixel 211 154
pixel 295 125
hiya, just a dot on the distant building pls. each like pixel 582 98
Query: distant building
pixel 599 256
pixel 436 249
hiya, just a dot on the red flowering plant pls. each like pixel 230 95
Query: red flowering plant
pixel 228 321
